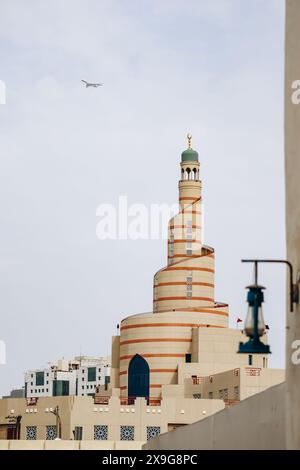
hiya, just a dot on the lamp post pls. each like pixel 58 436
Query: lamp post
pixel 254 324
pixel 55 412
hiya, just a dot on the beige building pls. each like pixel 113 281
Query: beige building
pixel 170 367
pixel 187 333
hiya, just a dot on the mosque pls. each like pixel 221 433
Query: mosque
pixel 186 338
pixel 170 367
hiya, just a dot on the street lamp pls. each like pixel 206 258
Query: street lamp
pixel 55 412
pixel 254 323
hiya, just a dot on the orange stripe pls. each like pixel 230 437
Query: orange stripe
pixel 189 198
pixel 193 309
pixel 124 372
pixel 207 284
pixel 161 299
pixel 156 340
pixel 184 226
pixel 190 269
pixel 192 325
pixel 155 386
pixel 185 256
pixel 184 240
pixel 190 212
pixel 216 312
pixel 123 387
pixel 130 356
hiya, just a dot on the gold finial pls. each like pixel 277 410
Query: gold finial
pixel 189 138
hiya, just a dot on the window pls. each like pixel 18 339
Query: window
pixel 236 392
pixel 210 395
pixel 47 390
pixel 189 279
pixel 47 374
pixel 221 395
pixel 47 382
pixel 189 294
pixel 82 379
pixel 82 371
pixel 265 362
pixel 189 252
pixel 189 245
pixel 152 431
pixel 31 433
pixel 50 433
pixel 101 432
pixel 91 374
pixel 82 387
pixel 225 394
pixel 99 378
pixel 31 383
pixel 188 358
pixel 127 433
pixel 250 360
pixel 78 431
pixel 99 370
pixel 189 287
pixel 60 388
pixel 39 378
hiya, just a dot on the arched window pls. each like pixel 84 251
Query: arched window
pixel 195 173
pixel 188 170
pixel 138 377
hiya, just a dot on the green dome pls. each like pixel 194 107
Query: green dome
pixel 189 155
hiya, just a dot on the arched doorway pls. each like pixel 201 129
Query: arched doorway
pixel 138 377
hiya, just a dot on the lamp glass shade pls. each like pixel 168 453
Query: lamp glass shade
pixel 249 322
pixel 261 323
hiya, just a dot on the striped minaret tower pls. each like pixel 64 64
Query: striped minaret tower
pixel 183 295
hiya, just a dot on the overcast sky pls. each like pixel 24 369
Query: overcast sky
pixel 212 67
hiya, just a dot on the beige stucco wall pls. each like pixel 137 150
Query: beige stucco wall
pixel 255 423
pixel 70 445
pixel 239 383
pixel 292 167
pixel 81 411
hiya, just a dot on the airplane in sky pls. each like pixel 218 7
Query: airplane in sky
pixel 95 85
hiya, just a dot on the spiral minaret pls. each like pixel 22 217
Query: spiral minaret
pixel 183 292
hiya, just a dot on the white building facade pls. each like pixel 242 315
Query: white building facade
pixel 78 376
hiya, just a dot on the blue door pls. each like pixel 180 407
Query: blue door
pixel 138 377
